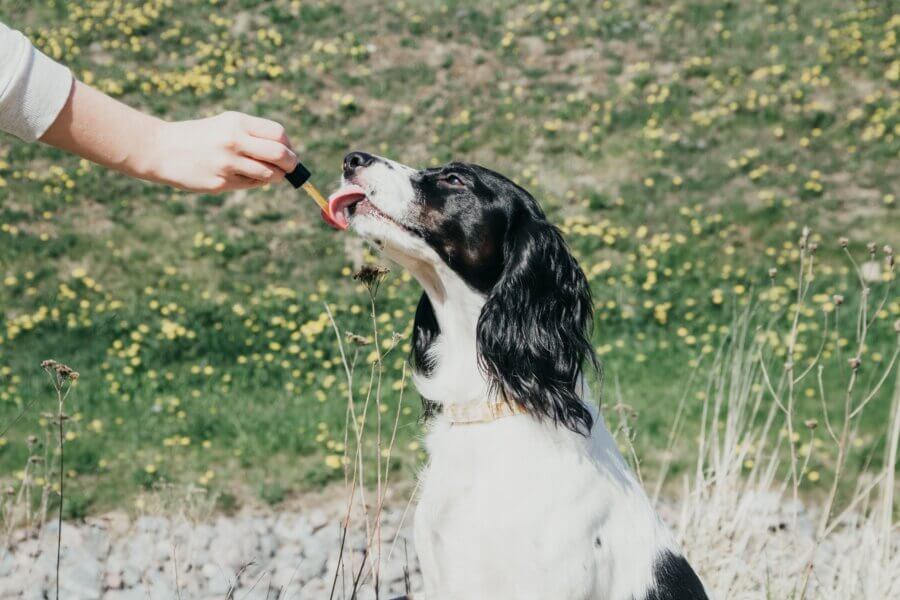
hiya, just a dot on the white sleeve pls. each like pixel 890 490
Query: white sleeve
pixel 33 87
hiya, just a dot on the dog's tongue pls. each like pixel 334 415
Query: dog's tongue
pixel 346 196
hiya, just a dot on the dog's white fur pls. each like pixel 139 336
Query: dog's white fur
pixel 514 508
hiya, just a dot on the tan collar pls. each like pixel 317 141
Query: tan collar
pixel 484 412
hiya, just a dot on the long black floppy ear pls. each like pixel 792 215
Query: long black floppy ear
pixel 534 330
pixel 425 331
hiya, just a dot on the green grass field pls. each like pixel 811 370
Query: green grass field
pixel 682 147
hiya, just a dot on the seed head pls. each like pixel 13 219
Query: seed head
pixel 359 340
pixel 844 242
pixel 63 373
pixel 773 272
pixel 811 424
pixel 371 276
pixel 855 363
pixel 871 248
pixel 813 247
pixel 837 299
pixel 888 250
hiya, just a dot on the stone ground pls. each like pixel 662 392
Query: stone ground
pixel 252 555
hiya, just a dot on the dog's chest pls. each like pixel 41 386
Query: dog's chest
pixel 514 505
pixel 491 506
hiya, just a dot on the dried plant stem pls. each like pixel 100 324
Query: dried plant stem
pixel 890 465
pixel 62 480
pixel 63 379
pixel 378 490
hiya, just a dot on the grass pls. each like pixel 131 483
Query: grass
pixel 739 513
pixel 681 146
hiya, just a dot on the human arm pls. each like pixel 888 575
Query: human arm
pixel 226 152
pixel 39 99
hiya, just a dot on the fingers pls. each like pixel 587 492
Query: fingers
pixel 239 182
pixel 264 128
pixel 269 151
pixel 255 170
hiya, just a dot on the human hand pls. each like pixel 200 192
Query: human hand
pixel 230 151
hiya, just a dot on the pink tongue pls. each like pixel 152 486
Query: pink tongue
pixel 346 196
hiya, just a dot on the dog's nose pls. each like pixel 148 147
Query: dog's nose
pixel 355 161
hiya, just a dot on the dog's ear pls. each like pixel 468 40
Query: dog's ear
pixel 534 330
pixel 425 331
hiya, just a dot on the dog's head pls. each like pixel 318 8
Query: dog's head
pixel 533 329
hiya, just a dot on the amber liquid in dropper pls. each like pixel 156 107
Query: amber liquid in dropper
pixel 316 195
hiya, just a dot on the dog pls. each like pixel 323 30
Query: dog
pixel 525 495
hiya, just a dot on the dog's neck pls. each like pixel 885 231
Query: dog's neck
pixel 457 378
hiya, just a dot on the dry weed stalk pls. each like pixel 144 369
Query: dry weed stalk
pixel 63 378
pixel 369 567
pixel 739 460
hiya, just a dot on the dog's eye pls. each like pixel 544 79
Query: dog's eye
pixel 453 180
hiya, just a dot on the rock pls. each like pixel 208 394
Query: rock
pixel 147 524
pixel 160 586
pixel 233 546
pixel 293 528
pixel 313 562
pixel 131 576
pixel 318 519
pixel 162 551
pixel 217 580
pixel 329 536
pixel 365 592
pixel 72 538
pixel 112 558
pixel 137 593
pixel 138 552
pixel 316 588
pixel 260 592
pixel 96 541
pixel 6 563
pixel 80 578
pixel 284 572
pixel 268 543
pixel 15 583
pixel 36 593
pixel 113 581
pixel 393 570
pixel 198 557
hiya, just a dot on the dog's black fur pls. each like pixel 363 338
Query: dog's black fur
pixel 534 331
pixel 675 580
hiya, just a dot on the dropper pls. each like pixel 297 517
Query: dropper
pixel 299 177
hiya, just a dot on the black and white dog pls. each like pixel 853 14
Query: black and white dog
pixel 526 494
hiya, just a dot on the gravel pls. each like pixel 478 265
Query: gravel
pixel 253 555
